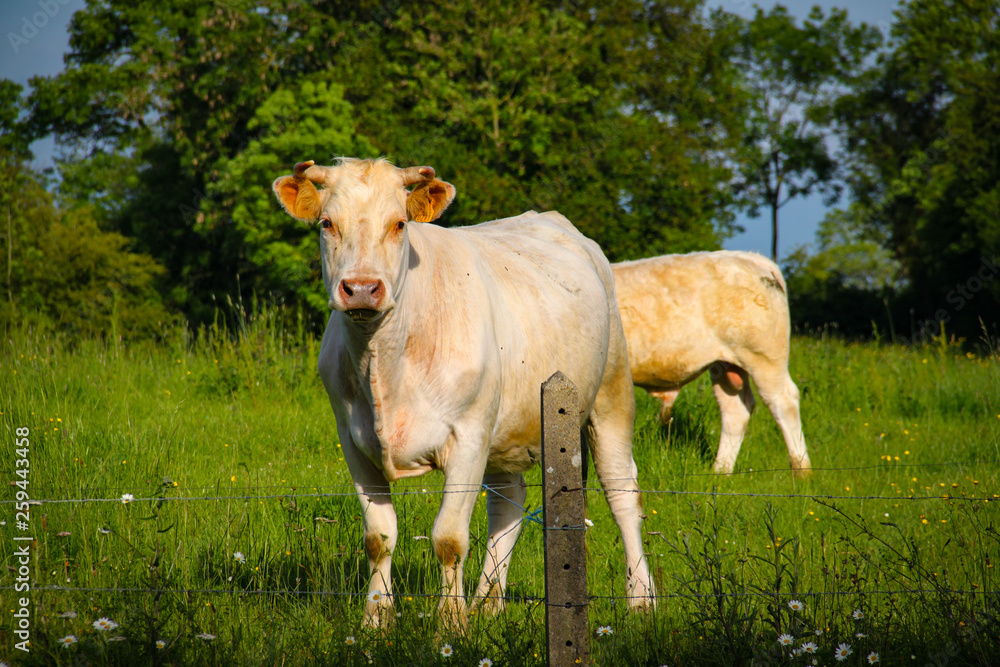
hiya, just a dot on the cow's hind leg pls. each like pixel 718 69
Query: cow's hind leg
pixel 610 439
pixel 731 387
pixel 505 495
pixel 781 397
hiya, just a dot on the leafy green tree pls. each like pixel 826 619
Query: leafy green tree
pixel 274 254
pixel 794 74
pixel 924 129
pixel 619 114
pixel 60 270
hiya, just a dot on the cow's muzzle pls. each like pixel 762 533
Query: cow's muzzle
pixel 361 295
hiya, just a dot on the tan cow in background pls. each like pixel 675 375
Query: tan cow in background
pixel 725 312
pixel 435 352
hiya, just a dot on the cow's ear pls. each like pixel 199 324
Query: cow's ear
pixel 299 197
pixel 428 200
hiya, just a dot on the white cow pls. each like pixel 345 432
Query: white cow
pixel 435 353
pixel 722 311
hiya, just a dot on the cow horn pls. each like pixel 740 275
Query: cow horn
pixel 312 171
pixel 413 175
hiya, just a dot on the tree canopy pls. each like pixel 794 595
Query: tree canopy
pixel 648 124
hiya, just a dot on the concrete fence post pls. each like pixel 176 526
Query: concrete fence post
pixel 566 601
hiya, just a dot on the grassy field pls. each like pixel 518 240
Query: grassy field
pixel 243 542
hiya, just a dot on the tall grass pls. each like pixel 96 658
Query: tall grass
pixel 228 445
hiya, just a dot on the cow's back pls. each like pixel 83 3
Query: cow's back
pixel 681 312
pixel 529 296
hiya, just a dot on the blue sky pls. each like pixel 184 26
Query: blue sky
pixel 35 39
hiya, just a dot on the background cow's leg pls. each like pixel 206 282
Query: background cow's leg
pixel 504 500
pixel 781 397
pixel 666 398
pixel 736 404
pixel 450 534
pixel 610 438
pixel 379 528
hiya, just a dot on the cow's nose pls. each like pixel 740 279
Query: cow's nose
pixel 362 294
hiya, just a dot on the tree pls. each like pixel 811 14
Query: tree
pixel 924 129
pixel 60 270
pixel 794 74
pixel 619 114
pixel 274 254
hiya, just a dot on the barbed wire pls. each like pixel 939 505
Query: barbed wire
pixel 509 598
pixel 888 467
pixel 470 488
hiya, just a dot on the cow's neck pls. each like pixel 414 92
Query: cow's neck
pixel 376 355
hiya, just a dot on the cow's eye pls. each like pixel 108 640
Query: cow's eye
pixel 400 225
pixel 325 223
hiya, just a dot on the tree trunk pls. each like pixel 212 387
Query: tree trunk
pixel 774 231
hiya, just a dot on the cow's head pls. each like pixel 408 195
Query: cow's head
pixel 363 209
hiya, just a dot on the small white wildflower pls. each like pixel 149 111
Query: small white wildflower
pixel 116 639
pixel 446 650
pixel 103 530
pixel 127 498
pixel 375 596
pixel 872 658
pixel 68 614
pixel 160 644
pixel 786 640
pixel 858 614
pixel 860 635
pixel 842 652
pixel 485 662
pixel 349 640
pixel 809 647
pixel 590 524
pixel 239 557
pixel 819 631
pixel 206 636
pixel 604 631
pixel 103 624
pixel 68 641
pixel 796 605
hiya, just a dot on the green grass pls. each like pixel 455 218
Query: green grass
pixel 238 437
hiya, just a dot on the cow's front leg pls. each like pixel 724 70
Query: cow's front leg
pixel 379 530
pixel 466 461
pixel 505 496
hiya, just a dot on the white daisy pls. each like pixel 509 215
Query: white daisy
pixel 796 605
pixel 485 662
pixel 375 596
pixel 604 631
pixel 858 614
pixel 786 640
pixel 842 652
pixel 68 614
pixel 68 641
pixel 446 650
pixel 103 624
pixel 206 636
pixel 349 640
pixel 590 524
pixel 809 647
pixel 860 635
pixel 160 644
pixel 127 498
pixel 872 658
pixel 239 557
